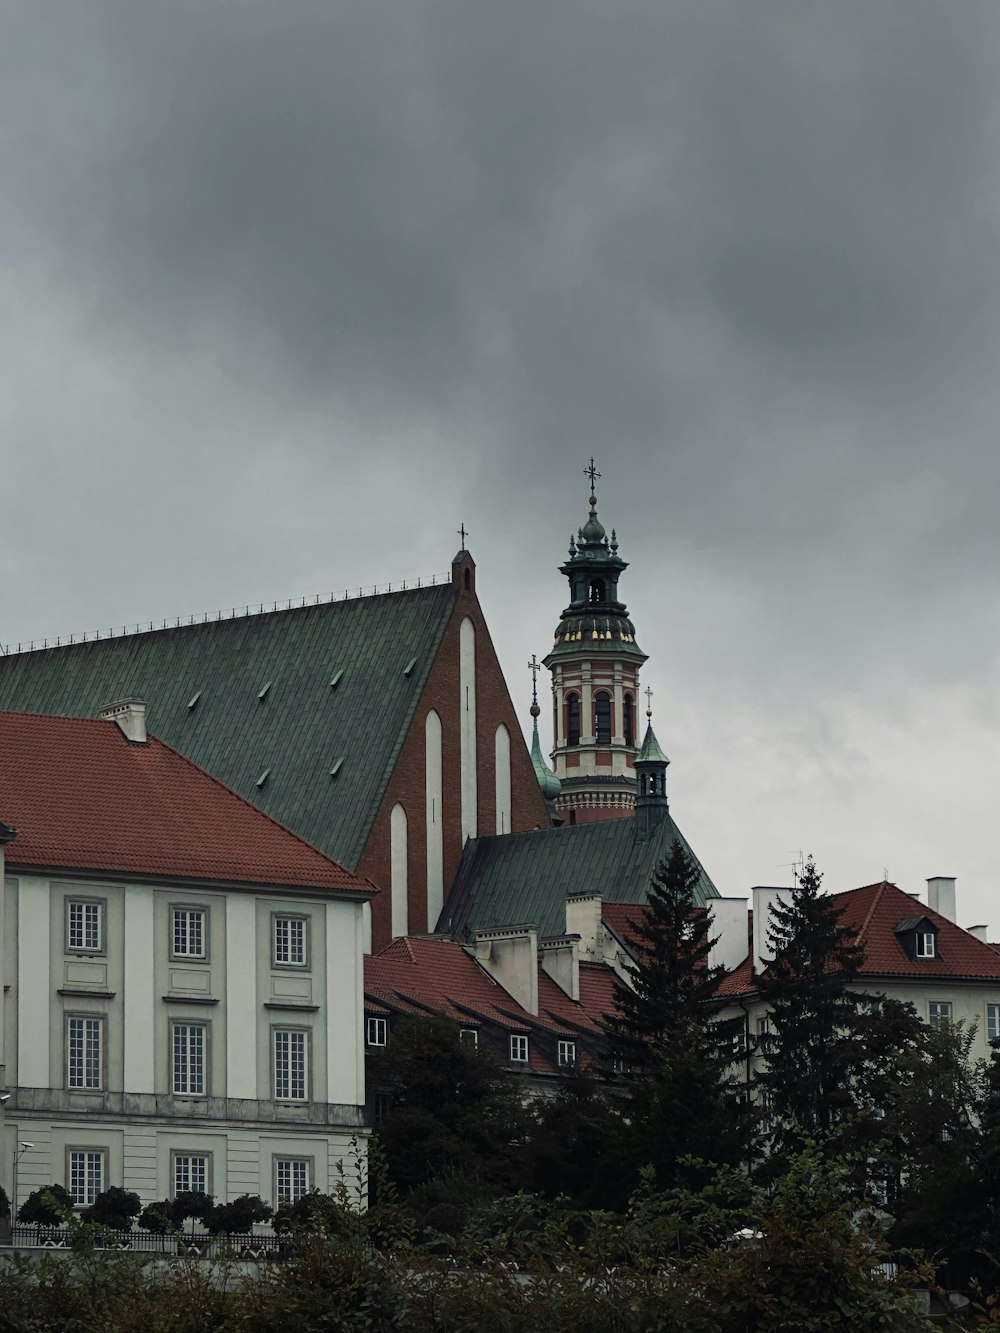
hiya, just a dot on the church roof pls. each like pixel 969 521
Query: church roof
pixel 302 711
pixel 651 752
pixel 527 877
pixel 82 797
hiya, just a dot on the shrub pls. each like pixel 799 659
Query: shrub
pixel 114 1207
pixel 313 1212
pixel 4 1205
pixel 49 1206
pixel 157 1217
pixel 237 1215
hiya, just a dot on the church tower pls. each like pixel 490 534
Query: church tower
pixel 595 663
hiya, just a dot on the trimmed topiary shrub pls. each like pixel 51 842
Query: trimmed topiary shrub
pixel 49 1206
pixel 114 1207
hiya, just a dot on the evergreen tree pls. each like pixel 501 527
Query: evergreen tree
pixel 812 1050
pixel 684 1102
pixel 671 980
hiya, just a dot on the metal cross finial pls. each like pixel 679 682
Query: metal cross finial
pixel 463 534
pixel 649 701
pixel 533 668
pixel 592 473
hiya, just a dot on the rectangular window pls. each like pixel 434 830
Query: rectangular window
pixel 188 1050
pixel 993 1022
pixel 289 941
pixel 519 1050
pixel 84 1051
pixel 469 1037
pixel 565 1054
pixel 190 1172
pixel 939 1011
pixel 86 1175
pixel 377 1031
pixel 187 932
pixel 380 1108
pixel 289 1065
pixel 925 944
pixel 84 926
pixel 291 1178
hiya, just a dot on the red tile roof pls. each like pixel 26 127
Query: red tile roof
pixel 433 974
pixel 82 797
pixel 621 918
pixel 871 913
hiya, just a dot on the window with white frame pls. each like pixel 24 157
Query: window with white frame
pixel 84 1052
pixel 993 1022
pixel 84 925
pixel 289 941
pixel 188 934
pixel 519 1050
pixel 190 1172
pixel 566 1054
pixel 469 1037
pixel 291 1178
pixel 925 944
pixel 938 1012
pixel 376 1031
pixel 86 1175
pixel 289 1064
pixel 188 1042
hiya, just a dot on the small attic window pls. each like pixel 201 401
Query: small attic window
pixel 918 937
pixel 926 946
pixel 337 765
pixel 194 699
pixel 263 693
pixel 335 678
pixel 263 777
pixel 409 666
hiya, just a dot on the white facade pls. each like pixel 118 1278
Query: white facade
pixel 153 1031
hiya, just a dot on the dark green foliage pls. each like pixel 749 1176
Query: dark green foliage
pixel 812 1050
pixel 171 1214
pixel 453 1115
pixel 237 1216
pixel 314 1212
pixel 576 1144
pixel 4 1205
pixel 114 1207
pixel 47 1207
pixel 671 979
pixel 157 1218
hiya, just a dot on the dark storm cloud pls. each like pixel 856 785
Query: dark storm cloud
pixel 311 282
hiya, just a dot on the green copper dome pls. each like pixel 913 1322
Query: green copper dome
pixel 547 780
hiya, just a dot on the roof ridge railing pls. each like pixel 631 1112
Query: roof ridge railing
pixel 234 613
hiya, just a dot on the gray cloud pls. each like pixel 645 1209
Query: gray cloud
pixel 287 293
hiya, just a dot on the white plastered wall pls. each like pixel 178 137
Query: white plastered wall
pixel 467 705
pixel 432 814
pixel 398 870
pixel 502 772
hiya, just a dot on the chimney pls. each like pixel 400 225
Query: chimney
pixel 978 933
pixel 941 895
pixel 130 715
pixel 729 924
pixel 510 956
pixel 583 919
pixel 763 898
pixel 561 961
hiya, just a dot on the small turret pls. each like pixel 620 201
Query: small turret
pixel 651 775
pixel 547 780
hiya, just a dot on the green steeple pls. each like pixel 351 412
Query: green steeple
pixel 595 620
pixel 547 780
pixel 651 752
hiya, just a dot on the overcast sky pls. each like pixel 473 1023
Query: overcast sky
pixel 289 291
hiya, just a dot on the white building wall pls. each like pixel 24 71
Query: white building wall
pixel 33 988
pixel 139 999
pixel 241 996
pixel 502 772
pixel 398 871
pixel 433 815
pixel 467 705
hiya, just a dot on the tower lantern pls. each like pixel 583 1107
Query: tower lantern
pixel 595 663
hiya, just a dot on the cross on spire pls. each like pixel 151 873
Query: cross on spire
pixel 649 701
pixel 463 534
pixel 533 668
pixel 592 473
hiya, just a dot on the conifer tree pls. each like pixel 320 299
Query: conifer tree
pixel 671 980
pixel 812 1050
pixel 683 1101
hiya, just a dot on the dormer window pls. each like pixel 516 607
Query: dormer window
pixel 917 936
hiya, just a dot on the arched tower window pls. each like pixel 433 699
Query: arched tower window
pixel 468 581
pixel 602 717
pixel 628 719
pixel 572 719
pixel 597 590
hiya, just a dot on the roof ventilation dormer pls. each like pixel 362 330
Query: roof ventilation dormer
pixel 130 714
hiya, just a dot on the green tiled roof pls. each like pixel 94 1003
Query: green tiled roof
pixel 525 878
pixel 257 693
pixel 651 752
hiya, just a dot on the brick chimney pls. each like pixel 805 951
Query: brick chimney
pixel 130 714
